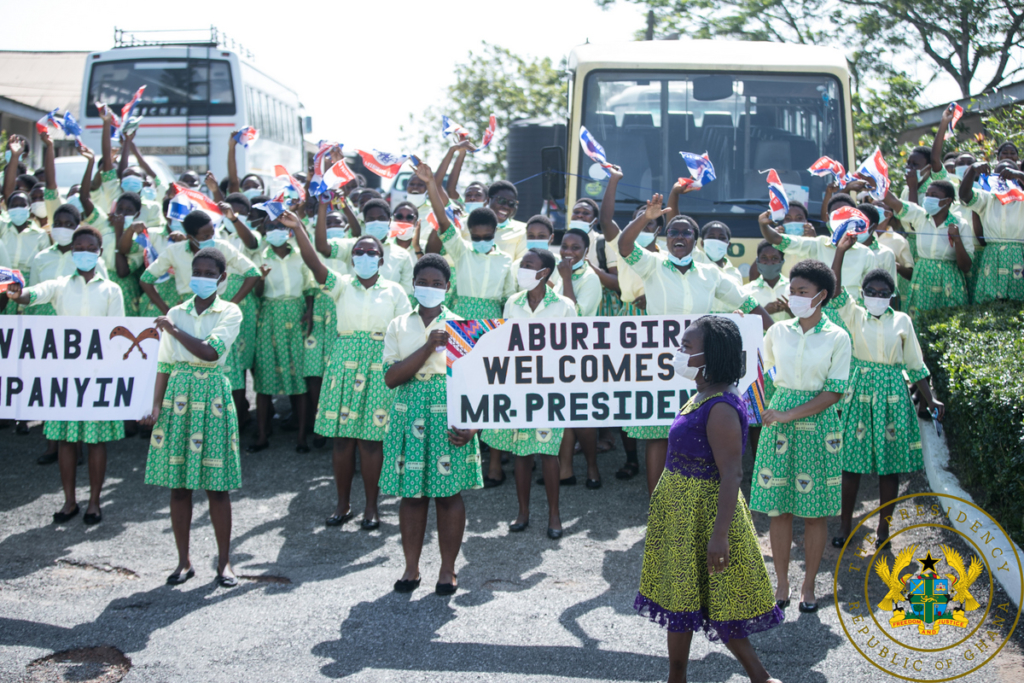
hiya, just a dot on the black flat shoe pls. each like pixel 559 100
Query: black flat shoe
pixel 881 541
pixel 494 483
pixel 302 448
pixel 444 589
pixel 782 604
pixel 319 441
pixel 593 484
pixel 338 520
pixel 21 429
pixel 92 518
pixel 177 578
pixel 62 517
pixel 568 481
pixel 554 534
pixel 257 447
pixel 47 458
pixel 226 581
pixel 515 527
pixel 808 607
pixel 369 524
pixel 838 541
pixel 628 471
pixel 406 586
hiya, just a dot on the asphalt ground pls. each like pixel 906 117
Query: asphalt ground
pixel 316 603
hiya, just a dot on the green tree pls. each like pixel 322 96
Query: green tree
pixel 493 81
pixel 881 114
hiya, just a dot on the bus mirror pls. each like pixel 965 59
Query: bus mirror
pixel 712 88
pixel 552 164
pixel 307 125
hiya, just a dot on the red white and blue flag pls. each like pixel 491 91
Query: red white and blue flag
pixel 778 202
pixel 1005 191
pixel 246 136
pixel 71 127
pixel 290 183
pixel 492 126
pixel 592 148
pixel 958 112
pixel 827 166
pixel 187 200
pixel 127 109
pixel 47 122
pixel 875 168
pixel 847 219
pixel 115 121
pixel 8 276
pixel 384 164
pixel 149 253
pixel 449 127
pixel 448 211
pixel 319 185
pixel 701 168
pixel 336 176
pixel 274 210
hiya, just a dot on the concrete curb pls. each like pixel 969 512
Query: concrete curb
pixel 941 480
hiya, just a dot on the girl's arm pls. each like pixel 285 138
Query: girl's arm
pixel 244 233
pixel 608 226
pixel 48 166
pixel 320 231
pixel 723 428
pixel 197 347
pixel 764 221
pixel 963 259
pixel 608 280
pixel 233 184
pixel 404 370
pixel 212 186
pixel 107 161
pixel 628 238
pixel 940 139
pixel 459 149
pixel 306 250
pixel 85 189
pixel 824 400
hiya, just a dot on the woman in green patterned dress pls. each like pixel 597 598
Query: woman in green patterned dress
pixel 423 458
pixel 355 403
pixel 85 293
pixel 194 444
pixel 879 421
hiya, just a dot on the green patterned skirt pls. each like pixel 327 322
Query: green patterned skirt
pixel 1001 273
pixel 240 357
pixel 131 292
pixel 167 291
pixel 631 309
pixel 475 308
pixel 936 284
pixel 798 468
pixel 879 421
pixel 40 309
pixel 320 342
pixel 84 431
pixel 675 587
pixel 277 368
pixel 648 433
pixel 354 401
pixel 195 440
pixel 419 461
pixel 610 304
pixel 543 441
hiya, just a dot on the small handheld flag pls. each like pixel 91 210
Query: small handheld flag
pixel 492 125
pixel 187 200
pixel 8 276
pixel 149 253
pixel 47 122
pixel 401 230
pixel 701 168
pixel 847 219
pixel 778 203
pixel 246 136
pixel 70 126
pixel 452 218
pixel 127 109
pixel 958 112
pixel 449 127
pixel 296 187
pixel 115 121
pixel 382 163
pixel 592 148
pixel 1006 191
pixel 826 166
pixel 274 210
pixel 875 168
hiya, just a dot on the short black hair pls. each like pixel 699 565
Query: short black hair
pixel 380 204
pixel 817 273
pixel 950 155
pixel 715 224
pixel 482 216
pixel 840 198
pixel 408 205
pixel 947 188
pixel 683 218
pixel 793 204
pixel 238 198
pixel 543 220
pixel 499 185
pixel 593 206
pixel 70 210
pixel 223 185
pixel 377 242
pixel 874 216
pixel 926 152
pixel 194 221
pixel 879 274
pixel 723 349
pixel 255 177
pixel 212 253
pixel 582 234
pixel 132 198
pixel 999 149
pixel 547 259
pixel 375 193
pixel 87 230
pixel 765 244
pixel 28 180
pixel 435 261
pixel 477 183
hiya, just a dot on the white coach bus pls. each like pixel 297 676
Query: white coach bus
pixel 197 92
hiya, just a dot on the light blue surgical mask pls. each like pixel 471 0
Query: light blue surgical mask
pixel 931 205
pixel 579 225
pixel 19 215
pixel 470 206
pixel 85 260
pixel 207 244
pixel 203 287
pixel 277 237
pixel 176 226
pixel 684 261
pixel 76 201
pixel 793 228
pixel 921 175
pixel 335 233
pixel 365 265
pixel 863 237
pixel 378 229
pixel 429 297
pixel 715 249
pixel 148 193
pixel 504 224
pixel 960 171
pixel 579 264
pixel 131 183
pixel 484 246
pixel 253 192
pixel 644 239
pixel 537 244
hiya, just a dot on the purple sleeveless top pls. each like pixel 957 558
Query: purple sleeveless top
pixel 689 453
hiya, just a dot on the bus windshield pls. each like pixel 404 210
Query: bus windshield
pixel 747 123
pixel 171 90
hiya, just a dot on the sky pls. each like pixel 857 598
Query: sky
pixel 331 52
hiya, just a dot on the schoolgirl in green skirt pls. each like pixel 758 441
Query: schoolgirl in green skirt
pixel 85 293
pixel 880 428
pixel 423 458
pixel 355 403
pixel 1001 269
pixel 194 444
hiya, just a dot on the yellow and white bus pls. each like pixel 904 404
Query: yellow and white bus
pixel 751 106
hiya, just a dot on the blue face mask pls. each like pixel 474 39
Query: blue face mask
pixel 483 246
pixel 684 261
pixel 148 193
pixel 793 228
pixel 644 239
pixel 131 183
pixel 85 260
pixel 76 201
pixel 336 233
pixel 277 237
pixel 253 193
pixel 229 226
pixel 470 206
pixel 715 249
pixel 378 229
pixel 921 175
pixel 203 287
pixel 579 264
pixel 429 297
pixel 207 244
pixel 365 265
pixel 931 205
pixel 19 215
pixel 176 226
pixel 863 237
pixel 537 244
pixel 960 171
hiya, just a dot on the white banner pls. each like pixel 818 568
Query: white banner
pixel 578 372
pixel 72 368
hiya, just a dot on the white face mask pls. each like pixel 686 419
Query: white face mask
pixel 429 297
pixel 62 236
pixel 579 225
pixel 682 366
pixel 38 209
pixel 528 278
pixel 876 305
pixel 803 306
pixel 416 200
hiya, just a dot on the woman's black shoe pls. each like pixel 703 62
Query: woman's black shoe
pixel 257 447
pixel 404 586
pixel 593 484
pixel 319 441
pixel 47 458
pixel 369 524
pixel 177 578
pixel 338 520
pixel 554 534
pixel 782 604
pixel 21 428
pixel 302 448
pixel 494 483
pixel 838 541
pixel 628 471
pixel 568 481
pixel 92 518
pixel 515 527
pixel 808 607
pixel 62 517
pixel 446 588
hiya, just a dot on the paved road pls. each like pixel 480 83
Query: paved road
pixel 319 604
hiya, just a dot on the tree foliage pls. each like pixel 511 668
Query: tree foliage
pixel 880 115
pixel 497 81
